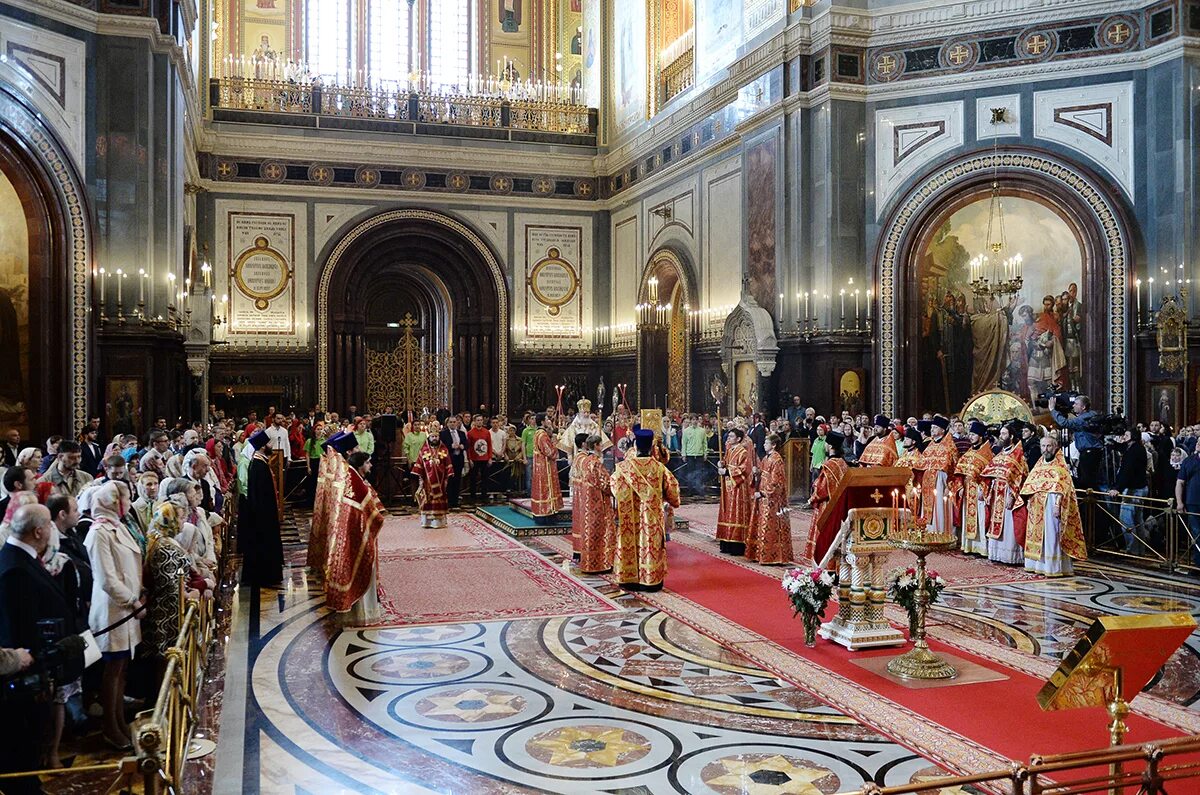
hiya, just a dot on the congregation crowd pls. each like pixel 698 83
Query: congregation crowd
pixel 100 538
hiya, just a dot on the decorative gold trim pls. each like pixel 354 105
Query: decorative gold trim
pixel 392 216
pixel 553 257
pixel 262 299
pixel 946 181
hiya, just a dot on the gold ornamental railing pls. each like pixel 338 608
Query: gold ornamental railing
pixel 164 733
pixel 421 105
pixel 677 76
pixel 1145 530
pixel 1145 769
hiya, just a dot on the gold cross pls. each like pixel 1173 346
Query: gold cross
pixel 368 177
pixel 408 322
pixel 958 55
pixel 886 65
pixel 458 181
pixel 320 173
pixel 585 188
pixel 1037 44
pixel 224 169
pixel 273 171
pixel 501 184
pixel 412 179
pixel 1118 33
pixel 876 496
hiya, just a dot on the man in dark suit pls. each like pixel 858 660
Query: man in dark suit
pixel 10 447
pixel 455 439
pixel 758 435
pixel 91 458
pixel 28 595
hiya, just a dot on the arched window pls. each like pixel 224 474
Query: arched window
pixel 389 23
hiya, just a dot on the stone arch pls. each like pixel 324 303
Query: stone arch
pixel 673 269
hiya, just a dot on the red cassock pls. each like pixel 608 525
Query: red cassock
pixel 352 543
pixel 733 519
pixel 939 456
pixel 593 532
pixel 965 486
pixel 641 486
pixel 832 472
pixel 1004 476
pixel 770 537
pixel 547 497
pixel 433 468
pixel 331 468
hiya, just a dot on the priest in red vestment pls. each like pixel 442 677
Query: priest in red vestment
pixel 770 538
pixel 433 470
pixel 736 470
pixel 642 486
pixel 970 492
pixel 350 568
pixel 881 450
pixel 831 474
pixel 547 497
pixel 1006 514
pixel 324 505
pixel 939 459
pixel 593 532
pixel 1053 532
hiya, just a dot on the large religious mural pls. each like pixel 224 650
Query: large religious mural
pixel 14 309
pixel 1028 343
pixel 629 65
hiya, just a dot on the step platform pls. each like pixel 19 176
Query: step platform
pixel 516 519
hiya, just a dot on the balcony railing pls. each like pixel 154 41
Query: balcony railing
pixel 425 107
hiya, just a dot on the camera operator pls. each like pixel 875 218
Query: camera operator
pixel 1089 444
pixel 1131 480
pixel 30 600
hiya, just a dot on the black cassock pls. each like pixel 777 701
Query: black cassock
pixel 258 528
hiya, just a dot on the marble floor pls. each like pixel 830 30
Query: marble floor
pixel 627 702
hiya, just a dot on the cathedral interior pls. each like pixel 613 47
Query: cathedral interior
pixel 700 208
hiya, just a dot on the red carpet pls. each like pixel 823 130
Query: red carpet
pixel 1002 716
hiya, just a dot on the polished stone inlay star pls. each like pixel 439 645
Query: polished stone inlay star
pixel 471 705
pixel 760 774
pixel 588 746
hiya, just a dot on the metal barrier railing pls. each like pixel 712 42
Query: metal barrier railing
pixel 1144 769
pixel 1150 530
pixel 162 734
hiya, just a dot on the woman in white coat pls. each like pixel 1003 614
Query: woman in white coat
pixel 116 559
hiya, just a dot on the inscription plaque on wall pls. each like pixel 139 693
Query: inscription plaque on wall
pixel 262 280
pixel 554 292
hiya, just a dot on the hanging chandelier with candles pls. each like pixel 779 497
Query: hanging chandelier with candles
pixel 996 272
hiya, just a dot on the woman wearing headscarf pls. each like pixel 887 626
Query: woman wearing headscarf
pixel 133 522
pixel 116 560
pixel 195 536
pixel 30 458
pixel 167 562
pixel 143 506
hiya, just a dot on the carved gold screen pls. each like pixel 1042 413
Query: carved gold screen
pixel 407 377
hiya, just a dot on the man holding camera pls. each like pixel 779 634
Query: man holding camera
pixel 1089 473
pixel 31 605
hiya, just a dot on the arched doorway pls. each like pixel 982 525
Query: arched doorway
pixel 412 271
pixel 44 260
pixel 664 345
pixel 915 278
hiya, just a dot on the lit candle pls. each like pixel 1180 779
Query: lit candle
pixel 120 291
pixel 103 278
pixel 1151 301
pixel 842 293
pixel 806 306
pixel 798 316
pixel 142 289
pixel 868 306
pixel 779 312
pixel 856 319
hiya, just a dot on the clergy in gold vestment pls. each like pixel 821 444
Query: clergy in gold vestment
pixel 593 535
pixel 824 487
pixel 770 537
pixel 1006 514
pixel 880 451
pixel 970 492
pixel 938 460
pixel 736 471
pixel 433 469
pixel 641 485
pixel 547 497
pixel 1053 532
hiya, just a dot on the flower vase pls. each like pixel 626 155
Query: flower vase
pixel 811 622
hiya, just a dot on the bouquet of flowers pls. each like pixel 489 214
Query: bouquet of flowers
pixel 809 592
pixel 903 586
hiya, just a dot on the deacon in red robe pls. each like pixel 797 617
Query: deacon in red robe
pixel 327 472
pixel 939 459
pixel 547 497
pixel 593 532
pixel 353 542
pixel 881 450
pixel 433 469
pixel 831 474
pixel 736 471
pixel 770 537
pixel 1006 514
pixel 641 486
pixel 1053 532
pixel 970 492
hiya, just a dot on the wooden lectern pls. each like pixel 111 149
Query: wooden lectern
pixel 865 515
